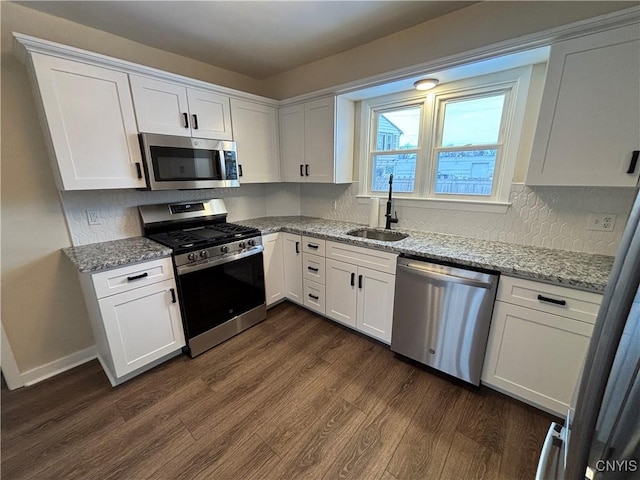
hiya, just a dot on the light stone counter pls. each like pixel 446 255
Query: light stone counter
pixel 117 253
pixel 571 269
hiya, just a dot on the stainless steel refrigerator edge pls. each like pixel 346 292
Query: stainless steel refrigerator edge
pixel 601 436
pixel 441 316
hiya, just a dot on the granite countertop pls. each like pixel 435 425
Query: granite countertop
pixel 102 256
pixel 571 269
pixel 559 267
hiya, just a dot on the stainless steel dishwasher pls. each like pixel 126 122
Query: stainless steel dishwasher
pixel 441 316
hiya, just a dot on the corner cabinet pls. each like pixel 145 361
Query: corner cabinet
pixel 135 317
pixel 589 126
pixel 255 131
pixel 88 114
pixel 538 341
pixel 172 109
pixel 316 141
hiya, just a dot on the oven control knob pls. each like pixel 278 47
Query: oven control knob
pixel 251 243
pixel 204 254
pixel 241 245
pixel 191 257
pixel 224 249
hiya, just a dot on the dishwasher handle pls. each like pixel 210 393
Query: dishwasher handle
pixel 417 269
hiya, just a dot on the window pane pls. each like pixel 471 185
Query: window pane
pixel 472 122
pixel 398 129
pixel 403 168
pixel 466 172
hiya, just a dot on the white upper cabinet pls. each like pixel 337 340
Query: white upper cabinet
pixel 88 113
pixel 316 141
pixel 589 122
pixel 171 109
pixel 255 130
pixel 292 143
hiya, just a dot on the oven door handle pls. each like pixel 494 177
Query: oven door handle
pixel 184 269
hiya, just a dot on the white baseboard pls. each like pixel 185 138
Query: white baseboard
pixel 38 374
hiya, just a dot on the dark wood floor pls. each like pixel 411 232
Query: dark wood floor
pixel 294 397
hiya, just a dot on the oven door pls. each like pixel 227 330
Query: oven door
pixel 221 292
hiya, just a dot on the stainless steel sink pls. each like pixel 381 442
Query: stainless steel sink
pixel 382 235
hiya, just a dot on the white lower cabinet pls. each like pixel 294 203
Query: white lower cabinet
pixel 139 326
pixel 538 341
pixel 357 296
pixel 292 260
pixel 273 257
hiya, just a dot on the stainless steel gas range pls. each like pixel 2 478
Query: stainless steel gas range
pixel 218 266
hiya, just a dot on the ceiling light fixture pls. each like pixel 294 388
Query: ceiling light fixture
pixel 426 84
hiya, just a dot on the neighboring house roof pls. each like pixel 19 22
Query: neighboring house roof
pixel 387 126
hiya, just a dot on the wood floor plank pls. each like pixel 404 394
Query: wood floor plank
pixel 423 450
pixel 313 454
pixel 28 455
pixel 296 396
pixel 27 410
pixel 374 443
pixel 134 446
pixel 525 433
pixel 293 417
pixel 246 461
pixel 468 459
pixel 383 373
pixel 484 419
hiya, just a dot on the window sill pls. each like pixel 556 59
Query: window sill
pixel 452 204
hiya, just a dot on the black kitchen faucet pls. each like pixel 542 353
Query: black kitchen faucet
pixel 390 219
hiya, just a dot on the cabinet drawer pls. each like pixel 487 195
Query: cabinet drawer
pixel 314 296
pixel 127 278
pixel 363 257
pixel 314 246
pixel 569 303
pixel 313 268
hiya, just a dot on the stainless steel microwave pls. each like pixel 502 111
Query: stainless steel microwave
pixel 184 163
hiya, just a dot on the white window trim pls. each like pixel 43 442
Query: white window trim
pixel 517 79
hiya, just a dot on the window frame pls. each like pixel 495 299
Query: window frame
pixel 515 82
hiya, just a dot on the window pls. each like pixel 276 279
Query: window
pixel 458 143
pixel 468 144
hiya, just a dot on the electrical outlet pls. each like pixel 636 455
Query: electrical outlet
pixel 94 217
pixel 603 222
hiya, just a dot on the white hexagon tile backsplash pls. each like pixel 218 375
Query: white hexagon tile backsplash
pixel 553 217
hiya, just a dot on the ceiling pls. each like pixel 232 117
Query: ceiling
pixel 255 38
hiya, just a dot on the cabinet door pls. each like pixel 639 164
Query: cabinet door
pixel 91 123
pixel 142 325
pixel 292 143
pixel 341 292
pixel 255 130
pixel 535 356
pixel 161 107
pixel 319 146
pixel 273 267
pixel 588 124
pixel 210 115
pixel 375 303
pixel 291 245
